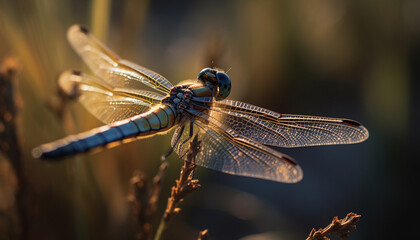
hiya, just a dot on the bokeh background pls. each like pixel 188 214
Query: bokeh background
pixel 354 59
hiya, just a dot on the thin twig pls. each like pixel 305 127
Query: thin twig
pixel 144 199
pixel 338 227
pixel 57 103
pixel 184 185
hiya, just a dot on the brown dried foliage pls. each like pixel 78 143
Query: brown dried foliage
pixel 338 227
pixel 184 185
pixel 57 103
pixel 10 143
pixel 144 199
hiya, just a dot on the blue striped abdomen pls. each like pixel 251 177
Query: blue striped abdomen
pixel 157 120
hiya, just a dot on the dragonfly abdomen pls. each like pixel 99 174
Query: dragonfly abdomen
pixel 159 119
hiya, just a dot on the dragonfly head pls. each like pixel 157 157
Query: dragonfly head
pixel 217 80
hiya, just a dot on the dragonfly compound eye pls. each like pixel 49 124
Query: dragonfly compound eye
pixel 219 80
pixel 208 75
pixel 223 81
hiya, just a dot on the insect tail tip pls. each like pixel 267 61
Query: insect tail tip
pixel 37 153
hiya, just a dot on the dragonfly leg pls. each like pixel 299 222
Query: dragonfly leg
pixel 166 155
pixel 183 155
pixel 191 133
pixel 177 137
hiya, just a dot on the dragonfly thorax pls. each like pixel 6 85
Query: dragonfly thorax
pixel 179 97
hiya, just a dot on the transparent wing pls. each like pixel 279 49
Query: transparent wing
pixel 286 130
pixel 110 67
pixel 223 150
pixel 103 101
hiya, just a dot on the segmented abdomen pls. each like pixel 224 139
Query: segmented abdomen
pixel 159 119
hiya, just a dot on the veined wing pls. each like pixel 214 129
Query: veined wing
pixel 224 150
pixel 110 67
pixel 103 101
pixel 286 130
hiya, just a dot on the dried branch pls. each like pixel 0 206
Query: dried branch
pixel 184 185
pixel 144 199
pixel 203 235
pixel 10 143
pixel 57 103
pixel 338 227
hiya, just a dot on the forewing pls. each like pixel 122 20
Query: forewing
pixel 110 67
pixel 286 130
pixel 104 102
pixel 222 150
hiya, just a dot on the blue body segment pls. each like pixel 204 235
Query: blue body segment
pixel 112 135
pixel 142 125
pixel 128 129
pixel 85 141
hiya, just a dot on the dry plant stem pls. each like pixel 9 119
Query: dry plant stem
pixel 184 185
pixel 9 140
pixel 338 227
pixel 144 199
pixel 203 235
pixel 57 103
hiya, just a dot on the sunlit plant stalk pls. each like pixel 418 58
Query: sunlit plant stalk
pixel 184 185
pixel 338 227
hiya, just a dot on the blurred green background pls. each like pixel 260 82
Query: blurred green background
pixel 353 59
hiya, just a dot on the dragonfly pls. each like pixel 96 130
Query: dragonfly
pixel 236 137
